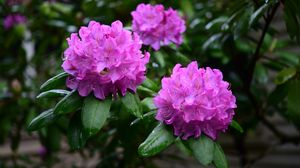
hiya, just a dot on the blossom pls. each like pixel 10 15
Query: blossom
pixel 42 151
pixel 195 101
pixel 104 60
pixel 13 19
pixel 157 26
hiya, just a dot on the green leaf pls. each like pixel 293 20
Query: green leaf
pixel 236 126
pixel 160 58
pixel 94 114
pixel 145 91
pixel 132 103
pixel 76 136
pixel 42 120
pixel 183 148
pixel 182 58
pixel 261 73
pixel 54 82
pixel 148 83
pixel 53 93
pixel 235 15
pixel 202 149
pixel 158 140
pixel 62 7
pixel 292 19
pixel 241 25
pixel 219 157
pixel 148 116
pixel 285 75
pixel 70 103
pixel 258 14
pixel 148 104
pixel 218 21
pixel 294 101
pixel 289 58
pixel 187 7
pixel 278 94
pixel 53 138
pixel 211 40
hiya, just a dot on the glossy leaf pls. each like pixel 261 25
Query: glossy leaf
pixel 158 140
pixel 211 40
pixel 187 7
pixel 147 116
pixel 261 73
pixel 54 82
pixel 53 93
pixel 76 136
pixel 219 157
pixel 70 103
pixel 218 21
pixel 294 101
pixel 278 94
pixel 288 57
pixel 202 149
pixel 285 75
pixel 292 19
pixel 258 14
pixel 236 126
pixel 53 138
pixel 241 26
pixel 145 91
pixel 182 147
pixel 94 114
pixel 160 58
pixel 132 103
pixel 62 7
pixel 148 83
pixel 42 120
pixel 148 104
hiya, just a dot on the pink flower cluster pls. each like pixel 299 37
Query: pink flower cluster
pixel 13 19
pixel 157 26
pixel 104 60
pixel 195 101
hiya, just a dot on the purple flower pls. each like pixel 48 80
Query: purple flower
pixel 104 60
pixel 195 101
pixel 42 151
pixel 13 19
pixel 157 26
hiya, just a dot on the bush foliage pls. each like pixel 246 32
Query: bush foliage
pixel 237 37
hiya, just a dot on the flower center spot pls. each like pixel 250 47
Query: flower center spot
pixel 104 71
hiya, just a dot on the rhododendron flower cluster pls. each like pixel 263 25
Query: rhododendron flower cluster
pixel 195 101
pixel 157 26
pixel 104 60
pixel 13 19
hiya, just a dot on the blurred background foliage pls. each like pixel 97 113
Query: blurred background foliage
pixel 234 36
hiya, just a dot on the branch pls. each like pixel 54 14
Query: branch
pixel 275 60
pixel 282 136
pixel 258 110
pixel 259 45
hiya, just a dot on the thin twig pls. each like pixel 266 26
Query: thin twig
pixel 258 111
pixel 282 136
pixel 259 45
pixel 274 60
